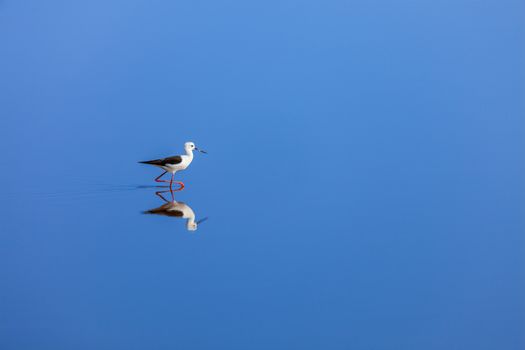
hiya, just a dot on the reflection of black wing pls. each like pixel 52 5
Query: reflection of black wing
pixel 175 213
pixel 162 211
pixel 164 161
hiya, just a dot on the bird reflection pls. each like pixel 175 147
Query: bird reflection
pixel 176 209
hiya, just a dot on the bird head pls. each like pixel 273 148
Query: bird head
pixel 190 146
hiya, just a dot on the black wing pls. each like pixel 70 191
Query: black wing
pixel 164 161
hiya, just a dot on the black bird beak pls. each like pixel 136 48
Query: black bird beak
pixel 201 220
pixel 200 150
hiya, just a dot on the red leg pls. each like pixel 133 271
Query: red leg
pixel 180 183
pixel 157 179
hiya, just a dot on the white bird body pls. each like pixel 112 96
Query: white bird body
pixel 186 161
pixel 174 163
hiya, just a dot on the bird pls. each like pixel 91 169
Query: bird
pixel 175 163
pixel 176 209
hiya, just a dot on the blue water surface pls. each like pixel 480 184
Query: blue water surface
pixel 365 182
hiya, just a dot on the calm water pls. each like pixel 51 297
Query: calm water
pixel 364 183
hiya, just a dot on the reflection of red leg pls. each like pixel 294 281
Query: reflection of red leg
pixel 159 193
pixel 157 179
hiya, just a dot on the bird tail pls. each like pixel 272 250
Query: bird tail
pixel 148 162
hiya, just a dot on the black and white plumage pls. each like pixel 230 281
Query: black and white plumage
pixel 174 163
pixel 164 162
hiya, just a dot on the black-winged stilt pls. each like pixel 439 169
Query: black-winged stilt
pixel 174 163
